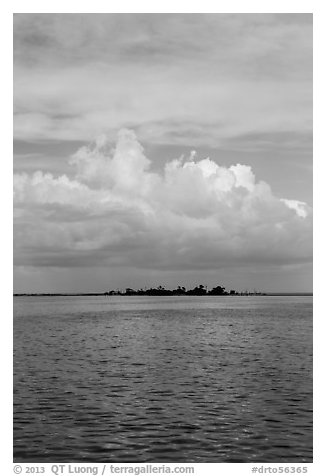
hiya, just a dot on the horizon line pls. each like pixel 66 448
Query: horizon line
pixel 105 293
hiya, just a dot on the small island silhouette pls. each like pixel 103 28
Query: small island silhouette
pixel 200 290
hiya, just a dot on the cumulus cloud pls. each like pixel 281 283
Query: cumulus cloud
pixel 113 209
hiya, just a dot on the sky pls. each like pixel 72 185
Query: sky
pixel 162 149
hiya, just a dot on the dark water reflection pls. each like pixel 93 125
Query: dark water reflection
pixel 163 379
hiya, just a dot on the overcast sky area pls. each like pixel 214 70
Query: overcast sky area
pixel 162 149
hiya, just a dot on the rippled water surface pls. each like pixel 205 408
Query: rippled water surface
pixel 140 379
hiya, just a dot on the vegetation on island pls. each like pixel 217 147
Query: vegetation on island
pixel 200 290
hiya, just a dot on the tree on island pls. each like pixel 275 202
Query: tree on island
pixel 218 291
pixel 179 291
pixel 197 291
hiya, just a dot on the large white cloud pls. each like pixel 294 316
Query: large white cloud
pixel 115 210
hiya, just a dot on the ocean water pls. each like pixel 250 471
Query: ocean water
pixel 163 379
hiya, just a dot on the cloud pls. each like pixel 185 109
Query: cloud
pixel 169 107
pixel 113 209
pixel 164 38
pixel 177 79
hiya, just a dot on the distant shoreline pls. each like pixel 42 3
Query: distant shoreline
pixel 162 295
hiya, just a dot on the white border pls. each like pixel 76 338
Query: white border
pixel 100 6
